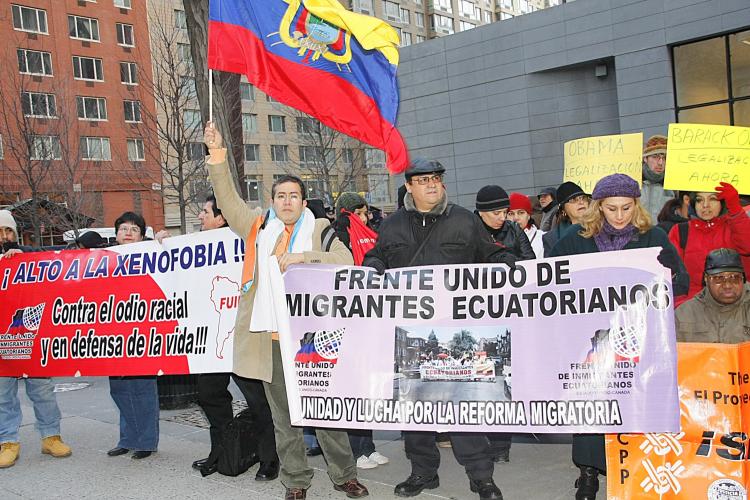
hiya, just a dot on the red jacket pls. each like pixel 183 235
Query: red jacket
pixel 726 231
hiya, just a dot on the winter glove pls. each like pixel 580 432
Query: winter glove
pixel 508 259
pixel 731 197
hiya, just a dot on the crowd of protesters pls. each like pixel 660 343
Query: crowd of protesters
pixel 703 237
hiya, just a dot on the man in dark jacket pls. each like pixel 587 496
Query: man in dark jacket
pixel 492 209
pixel 431 231
pixel 718 313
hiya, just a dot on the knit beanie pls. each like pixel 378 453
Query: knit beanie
pixel 519 201
pixel 492 198
pixel 350 202
pixel 7 220
pixel 567 191
pixel 656 144
pixel 616 185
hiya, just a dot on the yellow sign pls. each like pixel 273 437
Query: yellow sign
pixel 589 159
pixel 699 157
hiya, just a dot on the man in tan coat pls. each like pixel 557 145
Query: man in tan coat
pixel 720 312
pixel 256 350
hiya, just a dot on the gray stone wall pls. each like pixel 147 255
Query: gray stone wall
pixel 495 104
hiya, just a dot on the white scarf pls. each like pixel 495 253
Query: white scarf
pixel 270 295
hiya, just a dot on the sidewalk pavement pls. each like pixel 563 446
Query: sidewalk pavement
pixel 90 425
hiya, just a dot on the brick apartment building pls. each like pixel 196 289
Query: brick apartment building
pixel 74 113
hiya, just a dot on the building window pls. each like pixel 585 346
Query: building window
pixel 379 189
pixel 442 24
pixel 419 19
pixel 505 15
pixel 129 73
pixel 465 25
pixel 279 153
pixel 252 152
pixel 180 19
pixel 136 151
pixel 45 147
pixel 87 68
pixel 187 86
pixel 347 156
pixel 196 151
pixel 249 123
pixel 405 39
pixel 91 108
pixel 374 158
pixel 467 9
pixel 95 148
pixel 391 10
pixel 83 28
pixel 444 5
pixel 29 19
pixel 123 4
pixel 247 91
pixel 405 17
pixel 306 125
pixel 125 35
pixel 712 80
pixel 183 53
pixel 132 111
pixel 308 155
pixel 364 6
pixel 254 188
pixel 38 105
pixel 487 16
pixel 34 62
pixel 191 119
pixel 276 123
pixel 419 38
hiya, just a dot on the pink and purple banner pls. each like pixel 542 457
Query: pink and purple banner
pixel 578 344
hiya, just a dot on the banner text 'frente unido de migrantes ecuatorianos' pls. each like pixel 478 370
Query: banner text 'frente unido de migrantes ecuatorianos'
pixel 578 344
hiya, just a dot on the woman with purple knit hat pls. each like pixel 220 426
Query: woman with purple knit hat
pixel 614 221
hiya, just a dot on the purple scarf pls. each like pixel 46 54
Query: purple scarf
pixel 609 238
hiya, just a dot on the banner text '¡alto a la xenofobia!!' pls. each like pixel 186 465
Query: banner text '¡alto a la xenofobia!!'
pixel 136 309
pixel 554 345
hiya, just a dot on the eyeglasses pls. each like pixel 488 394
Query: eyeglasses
pixel 428 179
pixel 725 278
pixel 129 229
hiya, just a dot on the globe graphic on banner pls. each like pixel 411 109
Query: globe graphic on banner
pixel 628 329
pixel 32 317
pixel 328 342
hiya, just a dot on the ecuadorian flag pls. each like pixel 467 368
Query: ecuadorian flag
pixel 319 58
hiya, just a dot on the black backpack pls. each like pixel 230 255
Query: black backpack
pixel 238 448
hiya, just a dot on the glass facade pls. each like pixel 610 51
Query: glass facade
pixel 712 80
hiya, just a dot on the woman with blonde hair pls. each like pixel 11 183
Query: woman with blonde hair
pixel 614 221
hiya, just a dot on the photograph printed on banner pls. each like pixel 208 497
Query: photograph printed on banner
pixel 449 363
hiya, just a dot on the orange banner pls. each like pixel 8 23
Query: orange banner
pixel 708 459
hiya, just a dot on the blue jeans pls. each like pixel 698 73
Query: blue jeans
pixel 41 393
pixel 137 398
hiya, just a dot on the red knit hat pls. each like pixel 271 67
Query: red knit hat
pixel 519 201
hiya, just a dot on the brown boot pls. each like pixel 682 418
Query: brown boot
pixel 9 454
pixel 54 446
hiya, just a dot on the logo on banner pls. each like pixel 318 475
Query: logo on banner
pixel 18 339
pixel 662 479
pixel 300 29
pixel 726 489
pixel 320 347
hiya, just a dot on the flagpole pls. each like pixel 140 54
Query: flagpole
pixel 211 95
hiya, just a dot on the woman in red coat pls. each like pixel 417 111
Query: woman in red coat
pixel 711 230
